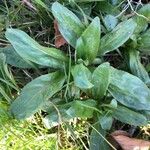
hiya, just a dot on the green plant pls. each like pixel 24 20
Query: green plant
pixel 82 84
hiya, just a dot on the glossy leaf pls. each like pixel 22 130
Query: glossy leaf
pixel 30 50
pixel 146 114
pixel 110 22
pixel 35 93
pixel 128 116
pixel 142 22
pixel 136 67
pixel 145 11
pixel 144 42
pixel 100 80
pixel 82 109
pixel 69 24
pixel 82 76
pixel 117 37
pixel 91 35
pixel 106 121
pixel 129 90
pixel 12 58
pixel 97 138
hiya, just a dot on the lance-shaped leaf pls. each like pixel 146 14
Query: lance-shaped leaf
pixel 110 22
pixel 35 93
pixel 117 37
pixel 30 50
pixel 12 58
pixel 106 121
pixel 82 109
pixel 100 80
pixel 129 90
pixel 144 42
pixel 82 76
pixel 128 116
pixel 136 67
pixel 145 10
pixel 142 19
pixel 88 44
pixel 98 138
pixel 69 24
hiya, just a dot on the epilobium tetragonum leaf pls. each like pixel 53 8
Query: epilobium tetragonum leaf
pixel 145 11
pixel 12 58
pixel 100 80
pixel 142 18
pixel 129 90
pixel 97 138
pixel 136 67
pixel 144 42
pixel 69 24
pixel 30 50
pixel 88 44
pixel 82 109
pixel 82 76
pixel 35 93
pixel 128 116
pixel 117 37
pixel 110 22
pixel 106 121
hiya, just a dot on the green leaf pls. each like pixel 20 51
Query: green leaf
pixel 142 22
pixel 136 67
pixel 30 50
pixel 113 103
pixel 128 116
pixel 107 8
pixel 129 90
pixel 12 58
pixel 91 35
pixel 146 114
pixel 110 22
pixel 35 93
pixel 82 109
pixel 106 121
pixel 54 118
pixel 145 11
pixel 82 76
pixel 69 24
pixel 97 138
pixel 100 80
pixel 117 37
pixel 144 42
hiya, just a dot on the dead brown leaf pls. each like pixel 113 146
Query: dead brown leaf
pixel 128 143
pixel 59 40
